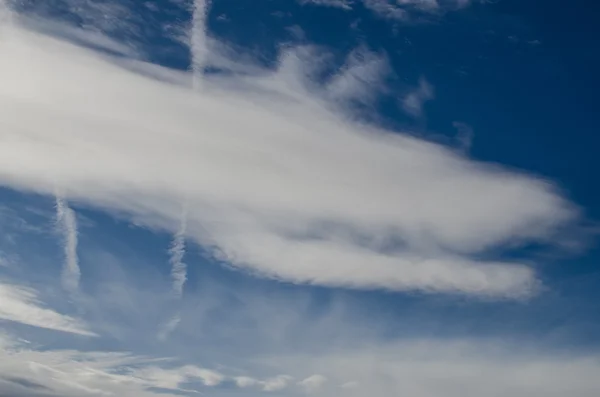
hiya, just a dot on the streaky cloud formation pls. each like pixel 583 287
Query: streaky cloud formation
pixel 67 224
pixel 177 253
pixel 402 10
pixel 277 182
pixel 198 40
pixel 423 368
pixel 22 305
pixel 450 368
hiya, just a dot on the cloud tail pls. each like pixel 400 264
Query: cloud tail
pixel 198 41
pixel 177 252
pixel 66 221
pixel 169 327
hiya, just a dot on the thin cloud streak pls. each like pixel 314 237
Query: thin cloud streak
pixel 67 225
pixel 22 305
pixel 198 40
pixel 177 253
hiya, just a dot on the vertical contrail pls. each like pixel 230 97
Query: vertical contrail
pixel 177 252
pixel 198 52
pixel 66 221
pixel 178 273
pixel 169 327
pixel 198 42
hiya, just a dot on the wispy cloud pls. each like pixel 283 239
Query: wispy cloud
pixel 452 368
pixel 276 383
pixel 413 102
pixel 423 368
pixel 67 225
pixel 22 305
pixel 464 135
pixel 198 40
pixel 402 10
pixel 343 4
pixel 168 327
pixel 77 373
pixel 360 79
pixel 313 383
pixel 275 181
pixel 177 253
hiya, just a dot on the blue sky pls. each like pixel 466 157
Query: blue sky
pixel 299 198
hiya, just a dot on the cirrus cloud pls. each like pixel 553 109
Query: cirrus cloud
pixel 276 180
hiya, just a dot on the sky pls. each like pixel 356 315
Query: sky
pixel 299 198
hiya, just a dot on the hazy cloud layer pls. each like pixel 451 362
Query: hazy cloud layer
pixel 421 368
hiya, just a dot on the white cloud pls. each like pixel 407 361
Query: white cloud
pixel 198 40
pixel 22 305
pixel 66 220
pixel 420 368
pixel 75 373
pixel 402 10
pixel 360 79
pixel 414 101
pixel 343 4
pixel 276 383
pixel 450 368
pixel 177 252
pixel 245 381
pixel 174 378
pixel 170 326
pixel 274 180
pixel 312 383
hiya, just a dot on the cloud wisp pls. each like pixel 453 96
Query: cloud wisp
pixel 414 101
pixel 399 10
pixel 198 40
pixel 178 273
pixel 66 221
pixel 421 367
pixel 176 255
pixel 275 181
pixel 21 304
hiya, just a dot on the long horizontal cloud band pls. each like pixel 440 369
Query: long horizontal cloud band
pixel 261 164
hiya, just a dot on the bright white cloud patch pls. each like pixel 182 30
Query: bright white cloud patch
pixel 274 180
pixel 22 305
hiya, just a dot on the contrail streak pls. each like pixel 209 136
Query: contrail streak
pixel 66 221
pixel 198 42
pixel 177 252
pixel 169 327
